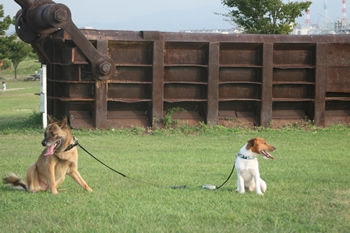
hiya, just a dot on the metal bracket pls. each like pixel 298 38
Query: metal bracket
pixel 40 18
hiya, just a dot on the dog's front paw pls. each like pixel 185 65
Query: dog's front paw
pixel 54 191
pixel 260 193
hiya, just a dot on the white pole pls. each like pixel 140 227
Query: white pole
pixel 43 99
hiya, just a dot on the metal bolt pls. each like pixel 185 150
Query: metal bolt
pixel 105 67
pixel 61 15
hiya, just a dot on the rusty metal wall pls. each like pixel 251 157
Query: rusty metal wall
pixel 125 79
pixel 245 80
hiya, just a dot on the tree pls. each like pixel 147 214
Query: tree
pixel 265 16
pixel 5 23
pixel 19 51
pixel 10 47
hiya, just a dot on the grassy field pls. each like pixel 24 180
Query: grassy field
pixel 26 67
pixel 308 182
pixel 18 102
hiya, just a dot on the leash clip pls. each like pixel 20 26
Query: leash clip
pixel 75 143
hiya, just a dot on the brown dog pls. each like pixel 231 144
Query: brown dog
pixel 54 163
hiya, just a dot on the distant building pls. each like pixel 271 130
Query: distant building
pixel 222 31
pixel 339 27
pixel 342 27
pixel 305 29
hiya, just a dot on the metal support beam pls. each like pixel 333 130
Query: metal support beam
pixel 213 83
pixel 101 88
pixel 266 92
pixel 320 84
pixel 157 83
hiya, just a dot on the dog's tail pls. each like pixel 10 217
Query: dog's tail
pixel 15 182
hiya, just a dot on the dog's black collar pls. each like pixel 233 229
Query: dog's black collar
pixel 74 144
pixel 239 154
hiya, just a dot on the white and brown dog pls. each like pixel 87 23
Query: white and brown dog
pixel 248 175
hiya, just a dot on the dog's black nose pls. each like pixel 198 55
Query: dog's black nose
pixel 43 143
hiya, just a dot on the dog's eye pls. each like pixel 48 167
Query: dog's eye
pixel 53 135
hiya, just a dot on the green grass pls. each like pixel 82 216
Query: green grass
pixel 18 103
pixel 26 67
pixel 308 182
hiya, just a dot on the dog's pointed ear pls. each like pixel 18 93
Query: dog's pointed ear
pixel 251 142
pixel 50 119
pixel 63 122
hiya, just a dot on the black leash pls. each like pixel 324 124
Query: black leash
pixel 233 168
pixel 101 161
pixel 76 143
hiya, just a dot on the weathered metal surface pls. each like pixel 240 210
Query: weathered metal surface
pixel 40 18
pixel 103 78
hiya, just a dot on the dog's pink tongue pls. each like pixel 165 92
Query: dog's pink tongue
pixel 49 150
pixel 268 155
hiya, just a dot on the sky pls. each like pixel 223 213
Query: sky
pixel 164 15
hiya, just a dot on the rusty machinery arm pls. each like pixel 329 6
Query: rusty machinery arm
pixel 39 18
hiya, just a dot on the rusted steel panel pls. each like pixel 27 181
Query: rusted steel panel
pixel 185 74
pixel 240 74
pixel 185 91
pixel 127 118
pixel 130 52
pixel 293 91
pixel 186 53
pixel 240 54
pixel 106 78
pixel 338 59
pixel 238 113
pixel 240 90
